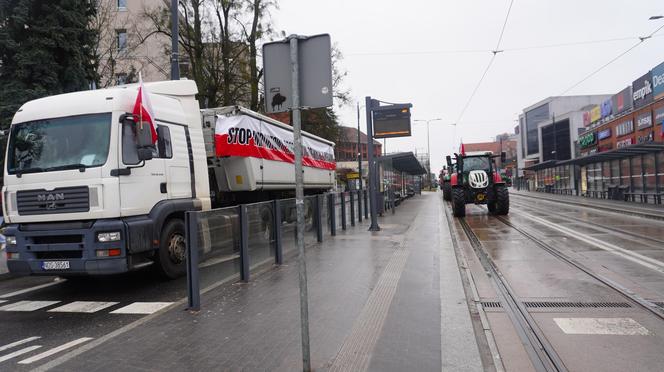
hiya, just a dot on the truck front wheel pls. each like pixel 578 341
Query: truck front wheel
pixel 171 257
pixel 502 200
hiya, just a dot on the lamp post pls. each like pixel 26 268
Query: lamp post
pixel 429 147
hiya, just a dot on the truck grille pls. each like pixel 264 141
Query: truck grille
pixel 60 200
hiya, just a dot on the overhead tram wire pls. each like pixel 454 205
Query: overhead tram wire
pixel 495 51
pixel 593 73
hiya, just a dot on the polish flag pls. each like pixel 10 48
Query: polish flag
pixel 143 109
pixel 462 150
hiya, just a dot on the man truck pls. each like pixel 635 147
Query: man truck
pixel 85 193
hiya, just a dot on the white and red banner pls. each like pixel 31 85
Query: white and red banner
pixel 243 135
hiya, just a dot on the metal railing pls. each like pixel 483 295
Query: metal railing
pixel 248 236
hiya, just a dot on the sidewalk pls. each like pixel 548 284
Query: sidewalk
pixel 375 304
pixel 654 210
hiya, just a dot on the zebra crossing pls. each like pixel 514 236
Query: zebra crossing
pixel 86 307
pixel 14 352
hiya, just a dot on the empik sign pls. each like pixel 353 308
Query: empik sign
pixel 642 93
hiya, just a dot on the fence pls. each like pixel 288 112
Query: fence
pixel 242 238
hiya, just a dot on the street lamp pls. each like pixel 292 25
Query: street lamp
pixel 429 146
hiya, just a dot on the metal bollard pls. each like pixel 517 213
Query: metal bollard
pixel 244 243
pixel 278 249
pixel 352 208
pixel 366 204
pixel 319 218
pixel 333 214
pixel 359 205
pixel 343 211
pixel 193 278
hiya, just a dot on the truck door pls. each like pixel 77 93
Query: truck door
pixel 176 161
pixel 146 185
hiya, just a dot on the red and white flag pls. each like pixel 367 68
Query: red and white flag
pixel 462 149
pixel 143 109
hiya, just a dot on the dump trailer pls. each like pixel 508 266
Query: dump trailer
pixel 86 194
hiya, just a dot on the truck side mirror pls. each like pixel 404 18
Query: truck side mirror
pixel 449 161
pixel 144 153
pixel 503 157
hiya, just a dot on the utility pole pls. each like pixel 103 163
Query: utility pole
pixel 372 168
pixel 359 163
pixel 175 59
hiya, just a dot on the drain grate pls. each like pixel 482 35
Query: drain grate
pixel 490 304
pixel 659 303
pixel 565 304
pixel 585 305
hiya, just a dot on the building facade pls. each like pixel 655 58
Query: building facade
pixel 620 151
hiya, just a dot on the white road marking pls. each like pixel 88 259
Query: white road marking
pixel 55 350
pixel 640 259
pixel 19 342
pixel 141 308
pixel 27 305
pixel 601 326
pixel 19 352
pixel 82 307
pixel 37 287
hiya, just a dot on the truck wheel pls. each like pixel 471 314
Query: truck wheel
pixel 502 200
pixel 459 202
pixel 171 257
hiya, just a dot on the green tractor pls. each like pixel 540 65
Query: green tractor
pixel 477 180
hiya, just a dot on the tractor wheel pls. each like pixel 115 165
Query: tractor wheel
pixel 459 202
pixel 447 191
pixel 491 205
pixel 502 200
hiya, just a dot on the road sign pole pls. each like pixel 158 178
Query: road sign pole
pixel 372 168
pixel 299 203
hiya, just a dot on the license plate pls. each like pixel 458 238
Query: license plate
pixel 55 265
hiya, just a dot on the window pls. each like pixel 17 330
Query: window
pixel 122 4
pixel 162 150
pixel 637 174
pixel 121 39
pixel 121 79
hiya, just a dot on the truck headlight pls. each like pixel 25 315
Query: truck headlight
pixel 108 237
pixel 10 240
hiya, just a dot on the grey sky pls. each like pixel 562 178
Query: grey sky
pixel 432 53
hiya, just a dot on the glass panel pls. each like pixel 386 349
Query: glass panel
pixel 606 175
pixel 615 172
pixel 649 168
pixel 260 217
pixel 660 171
pixel 637 177
pixel 625 172
pixel 218 237
pixel 310 219
pixel 288 223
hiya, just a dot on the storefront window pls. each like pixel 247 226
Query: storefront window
pixel 625 172
pixel 637 174
pixel 649 172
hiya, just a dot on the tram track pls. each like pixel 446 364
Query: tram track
pixel 542 354
pixel 593 224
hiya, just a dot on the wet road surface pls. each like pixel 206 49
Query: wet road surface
pixel 588 324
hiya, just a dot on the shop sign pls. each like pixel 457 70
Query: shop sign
pixel 644 121
pixel 622 101
pixel 624 143
pixel 624 128
pixel 595 114
pixel 606 133
pixel 593 151
pixel 602 148
pixel 658 81
pixel 587 140
pixel 659 115
pixel 647 138
pixel 606 108
pixel 586 118
pixel 642 91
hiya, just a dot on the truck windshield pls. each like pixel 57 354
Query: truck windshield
pixel 73 142
pixel 476 163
